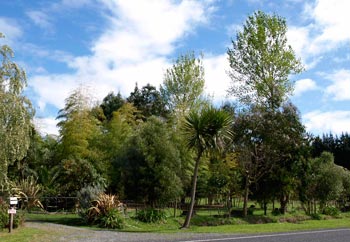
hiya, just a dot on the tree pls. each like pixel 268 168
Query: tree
pixel 261 62
pixel 322 181
pixel 150 165
pixel 16 113
pixel 183 84
pixel 148 100
pixel 204 130
pixel 80 130
pixel 115 135
pixel 111 103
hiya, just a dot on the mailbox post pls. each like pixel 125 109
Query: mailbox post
pixel 12 211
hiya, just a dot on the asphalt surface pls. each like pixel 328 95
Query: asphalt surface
pixel 331 235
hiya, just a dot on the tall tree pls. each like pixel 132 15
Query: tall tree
pixel 183 83
pixel 111 103
pixel 261 61
pixel 16 113
pixel 204 130
pixel 150 165
pixel 148 100
pixel 79 129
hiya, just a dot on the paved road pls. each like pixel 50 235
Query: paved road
pixel 332 235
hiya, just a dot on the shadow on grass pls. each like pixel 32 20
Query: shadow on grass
pixel 63 219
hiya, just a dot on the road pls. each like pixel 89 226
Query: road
pixel 331 235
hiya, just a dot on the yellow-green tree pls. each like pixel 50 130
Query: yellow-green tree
pixel 15 113
pixel 80 132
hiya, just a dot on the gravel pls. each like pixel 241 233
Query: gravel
pixel 74 234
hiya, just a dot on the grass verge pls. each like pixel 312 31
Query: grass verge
pixel 201 224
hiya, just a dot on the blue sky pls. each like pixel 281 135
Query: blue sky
pixel 109 45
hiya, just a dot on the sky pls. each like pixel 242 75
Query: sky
pixel 110 45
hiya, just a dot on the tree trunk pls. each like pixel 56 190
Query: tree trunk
pixel 193 191
pixel 283 202
pixel 265 207
pixel 245 198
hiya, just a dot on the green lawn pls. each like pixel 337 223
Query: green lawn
pixel 203 222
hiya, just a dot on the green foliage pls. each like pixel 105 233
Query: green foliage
pixel 151 215
pixel 150 165
pixel 76 174
pixel 148 100
pixel 16 114
pixel 113 219
pixel 262 61
pixel 205 130
pixel 30 192
pixel 88 194
pixel 111 103
pixel 82 161
pixel 18 218
pixel 339 146
pixel 276 212
pixel 102 205
pixel 316 216
pixel 183 84
pixel 4 217
pixel 331 210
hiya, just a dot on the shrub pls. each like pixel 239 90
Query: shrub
pixel 331 211
pixel 106 212
pixel 250 210
pixel 29 191
pixel 276 212
pixel 85 196
pixel 113 219
pixel 151 215
pixel 316 216
pixel 4 217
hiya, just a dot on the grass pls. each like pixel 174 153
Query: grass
pixel 65 219
pixel 25 234
pixel 203 222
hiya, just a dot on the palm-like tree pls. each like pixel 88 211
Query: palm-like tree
pixel 204 130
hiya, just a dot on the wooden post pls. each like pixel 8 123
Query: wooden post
pixel 11 223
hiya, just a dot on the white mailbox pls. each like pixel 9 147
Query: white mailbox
pixel 13 200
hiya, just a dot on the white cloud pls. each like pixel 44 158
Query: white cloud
pixel 46 125
pixel 340 88
pixel 52 89
pixel 135 47
pixel 324 122
pixel 334 17
pixel 304 85
pixel 327 30
pixel 216 78
pixel 10 29
pixel 41 19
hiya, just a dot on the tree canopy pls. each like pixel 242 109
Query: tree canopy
pixel 261 61
pixel 16 113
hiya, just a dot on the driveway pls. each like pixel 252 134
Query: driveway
pixel 74 234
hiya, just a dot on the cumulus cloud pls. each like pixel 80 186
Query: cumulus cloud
pixel 10 29
pixel 304 85
pixel 41 19
pixel 328 28
pixel 46 125
pixel 134 48
pixel 216 77
pixel 339 90
pixel 336 122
